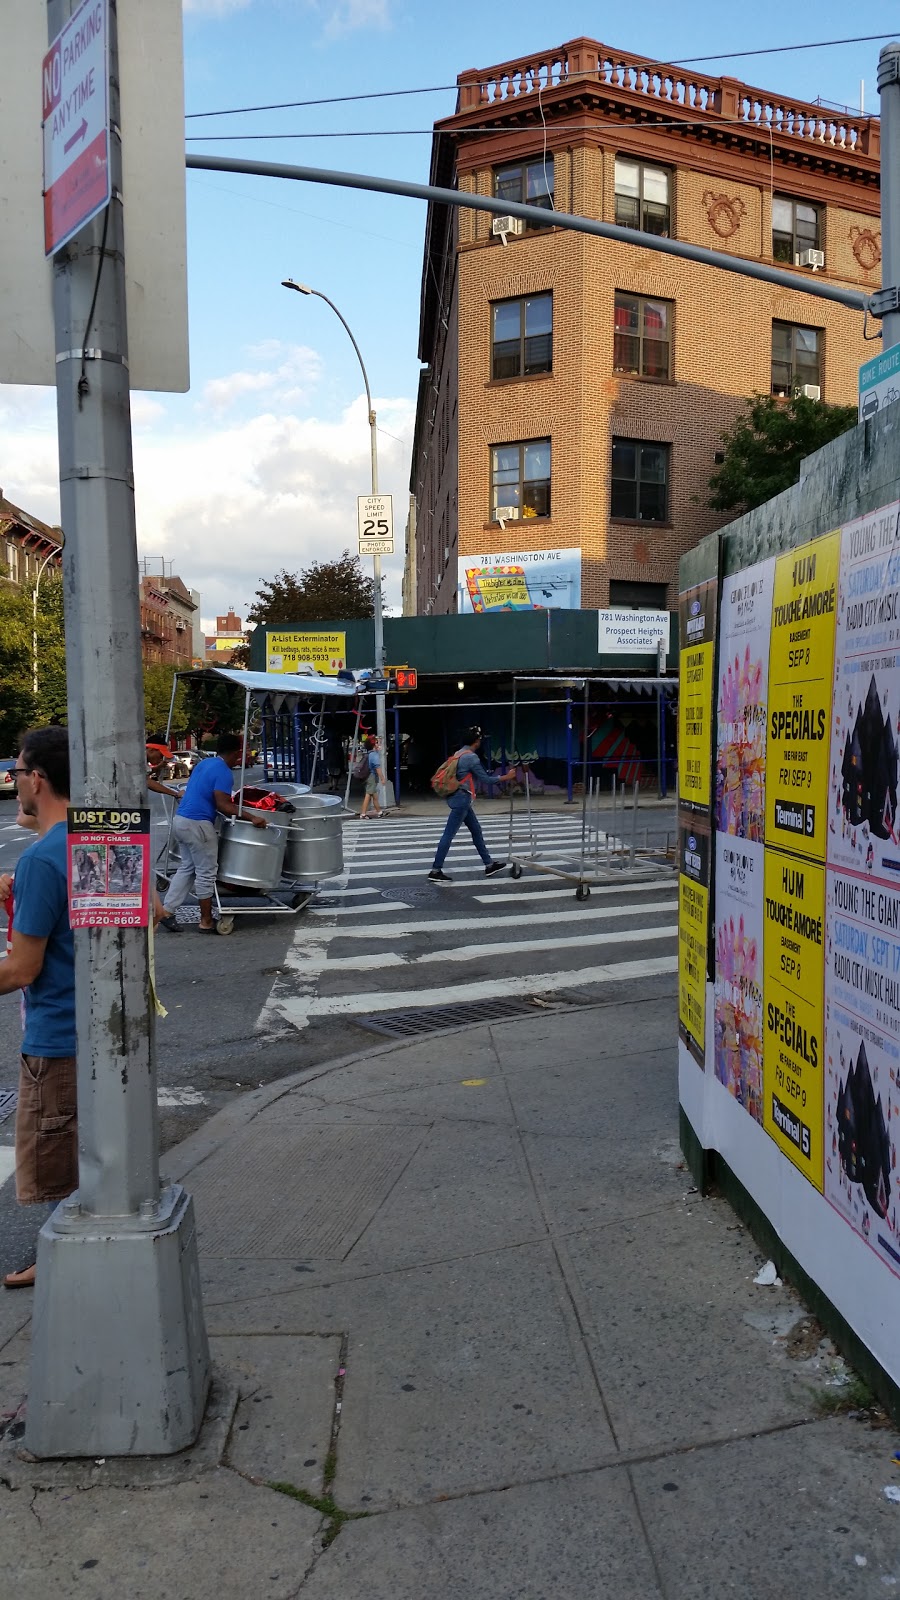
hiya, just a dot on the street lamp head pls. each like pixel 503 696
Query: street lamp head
pixel 301 288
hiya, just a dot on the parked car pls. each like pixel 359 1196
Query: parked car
pixel 183 762
pixel 7 781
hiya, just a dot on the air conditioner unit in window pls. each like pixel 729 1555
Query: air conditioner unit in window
pixel 810 391
pixel 810 258
pixel 505 225
pixel 506 514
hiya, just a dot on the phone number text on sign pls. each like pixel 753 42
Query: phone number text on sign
pixel 109 864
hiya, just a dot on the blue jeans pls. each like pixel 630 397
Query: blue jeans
pixel 461 811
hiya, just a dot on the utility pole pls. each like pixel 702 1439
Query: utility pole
pixel 120 1361
pixel 380 714
pixel 886 301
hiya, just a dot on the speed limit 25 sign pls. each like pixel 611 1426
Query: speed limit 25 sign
pixel 376 524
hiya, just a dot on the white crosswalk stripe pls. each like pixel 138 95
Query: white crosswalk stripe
pixel 375 952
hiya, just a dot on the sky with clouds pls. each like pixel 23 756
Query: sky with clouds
pixel 259 465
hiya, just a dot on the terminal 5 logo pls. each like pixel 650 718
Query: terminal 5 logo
pixel 724 215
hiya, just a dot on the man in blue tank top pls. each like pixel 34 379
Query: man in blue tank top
pixel 207 796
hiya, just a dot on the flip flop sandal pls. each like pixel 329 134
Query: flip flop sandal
pixel 23 1278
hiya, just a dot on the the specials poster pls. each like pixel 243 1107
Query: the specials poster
pixel 740 773
pixel 793 983
pixel 863 833
pixel 862 973
pixel 801 661
pixel 745 624
pixel 697 619
pixel 737 1030
pixel 862 1058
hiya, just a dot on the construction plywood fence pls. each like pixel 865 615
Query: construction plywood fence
pixel 789 888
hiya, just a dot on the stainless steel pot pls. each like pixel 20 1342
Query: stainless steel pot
pixel 315 845
pixel 251 857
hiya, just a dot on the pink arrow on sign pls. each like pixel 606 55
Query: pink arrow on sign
pixel 78 134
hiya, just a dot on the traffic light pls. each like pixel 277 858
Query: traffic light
pixel 407 678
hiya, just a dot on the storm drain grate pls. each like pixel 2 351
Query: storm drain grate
pixel 9 1099
pixel 432 1019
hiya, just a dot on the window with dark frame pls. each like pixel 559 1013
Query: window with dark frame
pixel 643 197
pixel 522 336
pixel 796 358
pixel 520 477
pixel 638 596
pixel 642 343
pixel 528 183
pixel 640 481
pixel 796 226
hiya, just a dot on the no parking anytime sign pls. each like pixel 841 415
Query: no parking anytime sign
pixel 75 89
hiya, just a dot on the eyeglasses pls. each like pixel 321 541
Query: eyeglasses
pixel 21 772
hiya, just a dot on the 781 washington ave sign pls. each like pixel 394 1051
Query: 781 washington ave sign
pixel 75 89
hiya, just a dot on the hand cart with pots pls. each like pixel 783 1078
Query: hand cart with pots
pixel 273 870
pixel 605 854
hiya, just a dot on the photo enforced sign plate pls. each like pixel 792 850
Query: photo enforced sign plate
pixel 109 866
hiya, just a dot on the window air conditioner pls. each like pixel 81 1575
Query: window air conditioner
pixel 503 225
pixel 810 258
pixel 810 391
pixel 506 514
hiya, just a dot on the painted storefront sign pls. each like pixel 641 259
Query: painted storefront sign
pixel 519 580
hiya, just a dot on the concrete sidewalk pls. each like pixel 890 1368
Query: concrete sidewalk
pixel 489 1345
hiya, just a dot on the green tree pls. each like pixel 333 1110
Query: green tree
pixel 158 698
pixel 20 708
pixel 212 706
pixel 766 444
pixel 326 591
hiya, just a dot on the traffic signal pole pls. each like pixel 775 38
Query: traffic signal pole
pixel 119 1360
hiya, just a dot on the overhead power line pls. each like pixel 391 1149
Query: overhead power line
pixel 571 127
pixel 443 88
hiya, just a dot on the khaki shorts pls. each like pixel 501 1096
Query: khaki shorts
pixel 372 783
pixel 46 1129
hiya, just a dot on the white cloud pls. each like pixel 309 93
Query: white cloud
pixel 340 17
pixel 289 377
pixel 231 497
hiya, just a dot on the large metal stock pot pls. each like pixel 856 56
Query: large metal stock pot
pixel 315 845
pixel 249 857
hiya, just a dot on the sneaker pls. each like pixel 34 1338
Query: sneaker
pixel 437 876
pixel 170 923
pixel 495 866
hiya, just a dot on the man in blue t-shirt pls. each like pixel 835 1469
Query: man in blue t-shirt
pixel 207 796
pixel 41 961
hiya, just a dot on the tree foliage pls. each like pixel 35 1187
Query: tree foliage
pixel 766 444
pixel 326 591
pixel 157 700
pixel 212 706
pixel 20 708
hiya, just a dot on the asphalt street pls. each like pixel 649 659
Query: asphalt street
pixel 283 994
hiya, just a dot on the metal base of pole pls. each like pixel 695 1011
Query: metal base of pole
pixel 119 1353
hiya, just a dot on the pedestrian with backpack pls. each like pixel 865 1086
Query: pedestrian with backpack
pixel 455 782
pixel 374 780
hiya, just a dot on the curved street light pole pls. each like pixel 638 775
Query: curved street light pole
pixel 34 615
pixel 380 717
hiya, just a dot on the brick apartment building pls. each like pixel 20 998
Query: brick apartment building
pixel 581 386
pixel 27 546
